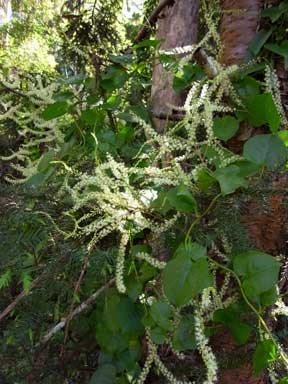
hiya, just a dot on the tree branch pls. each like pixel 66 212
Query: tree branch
pixel 18 298
pixel 144 31
pixel 82 307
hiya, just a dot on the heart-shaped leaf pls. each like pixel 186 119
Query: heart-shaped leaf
pixel 184 279
pixel 266 150
pixel 225 127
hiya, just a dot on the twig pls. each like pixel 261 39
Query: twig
pixel 18 298
pixel 82 307
pixel 152 20
pixel 76 290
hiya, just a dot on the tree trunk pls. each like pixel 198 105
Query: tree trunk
pixel 266 227
pixel 238 27
pixel 177 26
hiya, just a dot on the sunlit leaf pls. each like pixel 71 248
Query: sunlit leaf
pixel 265 354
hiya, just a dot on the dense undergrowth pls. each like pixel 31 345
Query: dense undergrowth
pixel 125 253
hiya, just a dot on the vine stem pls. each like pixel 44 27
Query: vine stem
pixel 198 218
pixel 251 306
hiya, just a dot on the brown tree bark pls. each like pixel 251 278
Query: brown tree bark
pixel 266 227
pixel 238 27
pixel 177 26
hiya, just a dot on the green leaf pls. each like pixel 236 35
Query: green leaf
pixel 258 272
pixel 184 336
pixel 55 110
pixel 39 179
pixel 230 318
pixel 89 116
pixel 240 332
pixel 134 288
pixel 225 127
pixel 281 50
pixel 184 279
pixel 273 13
pixel 112 102
pixel 204 180
pixel 126 360
pixel 266 150
pixel 182 199
pixel 158 335
pixel 114 79
pixel 147 43
pixel 183 79
pixel 147 272
pixel 179 198
pixel 283 135
pixel 265 354
pixel 248 86
pixel 45 160
pixel 258 41
pixel 194 251
pixel 121 314
pixel 161 203
pixel 269 297
pixel 105 374
pixel 161 313
pixel 247 168
pixel 261 110
pixel 213 155
pixel 230 179
pixel 125 134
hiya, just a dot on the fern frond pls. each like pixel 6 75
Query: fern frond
pixel 5 279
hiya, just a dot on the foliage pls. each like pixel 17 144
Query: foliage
pixel 98 193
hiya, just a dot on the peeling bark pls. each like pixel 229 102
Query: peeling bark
pixel 177 26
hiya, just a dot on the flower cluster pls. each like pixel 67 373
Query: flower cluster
pixel 30 123
pixel 120 263
pixel 205 350
pixel 281 309
pixel 151 260
pixel 153 357
pixel 273 86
